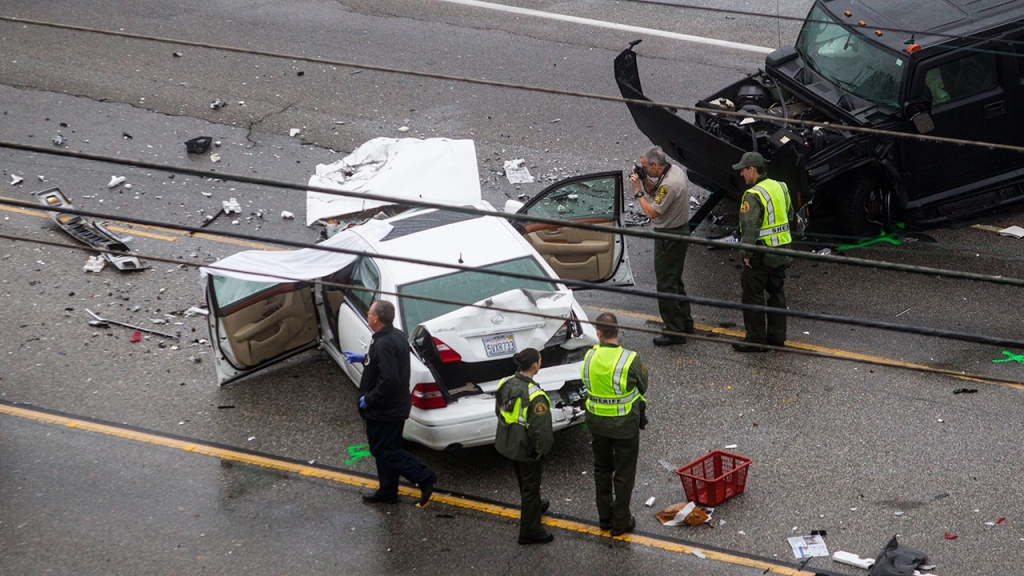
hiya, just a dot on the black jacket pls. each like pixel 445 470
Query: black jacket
pixel 385 382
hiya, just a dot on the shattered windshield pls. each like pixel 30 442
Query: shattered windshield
pixel 849 61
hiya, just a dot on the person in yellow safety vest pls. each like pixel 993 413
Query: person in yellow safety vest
pixel 524 436
pixel 616 380
pixel 766 212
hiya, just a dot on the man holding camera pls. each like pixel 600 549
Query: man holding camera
pixel 660 190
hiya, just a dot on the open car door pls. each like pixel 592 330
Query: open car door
pixel 577 254
pixel 255 324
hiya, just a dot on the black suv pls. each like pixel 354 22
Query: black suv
pixel 949 68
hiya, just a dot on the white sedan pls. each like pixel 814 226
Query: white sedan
pixel 266 306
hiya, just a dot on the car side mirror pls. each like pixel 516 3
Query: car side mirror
pixel 919 113
pixel 513 206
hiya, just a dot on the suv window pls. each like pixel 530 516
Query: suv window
pixel 849 60
pixel 961 78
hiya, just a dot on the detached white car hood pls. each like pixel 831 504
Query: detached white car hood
pixel 434 170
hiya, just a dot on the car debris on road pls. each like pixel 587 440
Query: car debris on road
pixel 132 326
pixel 91 233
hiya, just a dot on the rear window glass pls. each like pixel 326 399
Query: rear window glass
pixel 466 287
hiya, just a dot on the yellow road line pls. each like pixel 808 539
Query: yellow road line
pixel 353 480
pixel 134 229
pixel 810 347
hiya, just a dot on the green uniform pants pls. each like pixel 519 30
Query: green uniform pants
pixel 756 281
pixel 614 476
pixel 669 258
pixel 528 475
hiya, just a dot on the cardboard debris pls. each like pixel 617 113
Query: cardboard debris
pixel 682 513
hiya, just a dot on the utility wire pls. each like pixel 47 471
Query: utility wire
pixel 524 87
pixel 478 212
pixel 788 349
pixel 976 338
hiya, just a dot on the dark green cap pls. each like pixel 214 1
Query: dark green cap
pixel 749 159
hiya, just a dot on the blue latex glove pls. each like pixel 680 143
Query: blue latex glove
pixel 362 402
pixel 354 358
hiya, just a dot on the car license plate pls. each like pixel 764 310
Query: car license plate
pixel 500 345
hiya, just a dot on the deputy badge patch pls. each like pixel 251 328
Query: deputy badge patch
pixel 745 207
pixel 662 191
pixel 540 409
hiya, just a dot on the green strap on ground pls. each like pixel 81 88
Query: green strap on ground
pixel 889 237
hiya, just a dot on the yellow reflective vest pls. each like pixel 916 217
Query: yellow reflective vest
pixel 605 373
pixel 774 199
pixel 517 415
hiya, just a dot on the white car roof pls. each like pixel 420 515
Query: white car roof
pixel 476 241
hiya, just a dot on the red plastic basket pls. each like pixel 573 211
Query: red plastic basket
pixel 714 477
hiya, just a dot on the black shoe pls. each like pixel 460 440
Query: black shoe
pixel 668 340
pixel 777 344
pixel 690 330
pixel 541 537
pixel 426 489
pixel 378 498
pixel 605 526
pixel 748 348
pixel 544 505
pixel 632 525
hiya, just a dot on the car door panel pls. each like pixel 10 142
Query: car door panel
pixel 573 253
pixel 260 324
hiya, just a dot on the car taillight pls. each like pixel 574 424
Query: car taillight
pixel 559 337
pixel 427 396
pixel 446 353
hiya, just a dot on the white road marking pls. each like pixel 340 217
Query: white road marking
pixel 612 25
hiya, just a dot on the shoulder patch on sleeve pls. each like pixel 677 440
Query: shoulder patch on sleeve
pixel 745 207
pixel 643 368
pixel 662 192
pixel 540 408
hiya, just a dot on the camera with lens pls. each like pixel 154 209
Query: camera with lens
pixel 639 171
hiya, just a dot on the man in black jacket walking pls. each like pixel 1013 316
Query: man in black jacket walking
pixel 384 404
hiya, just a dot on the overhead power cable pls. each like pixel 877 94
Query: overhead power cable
pixel 948 334
pixel 516 217
pixel 651 331
pixel 524 87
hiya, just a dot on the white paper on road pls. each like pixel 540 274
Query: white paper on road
pixel 807 546
pixel 433 170
pixel 517 172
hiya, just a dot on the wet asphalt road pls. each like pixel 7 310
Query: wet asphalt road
pixel 837 446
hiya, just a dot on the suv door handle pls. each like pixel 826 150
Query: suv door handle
pixel 994 109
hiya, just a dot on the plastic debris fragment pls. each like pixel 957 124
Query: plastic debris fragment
pixel 115 181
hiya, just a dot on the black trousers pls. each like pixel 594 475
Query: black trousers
pixel 614 477
pixel 528 474
pixel 385 440
pixel 756 281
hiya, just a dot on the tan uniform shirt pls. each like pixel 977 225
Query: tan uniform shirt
pixel 670 200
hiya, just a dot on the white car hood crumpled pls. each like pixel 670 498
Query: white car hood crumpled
pixel 434 170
